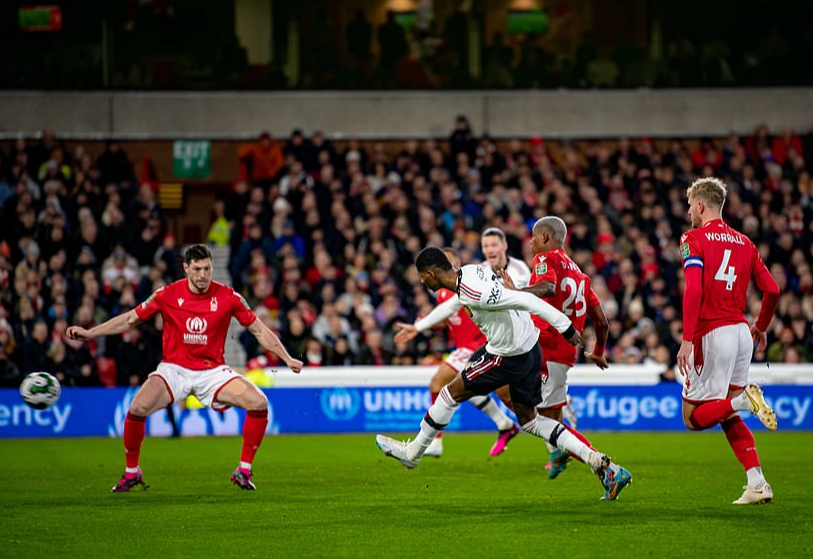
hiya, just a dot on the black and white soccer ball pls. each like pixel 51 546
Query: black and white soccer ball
pixel 40 390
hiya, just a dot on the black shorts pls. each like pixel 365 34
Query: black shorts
pixel 487 372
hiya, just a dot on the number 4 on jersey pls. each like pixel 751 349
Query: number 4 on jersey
pixel 726 272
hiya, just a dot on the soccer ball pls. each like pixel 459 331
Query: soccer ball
pixel 40 390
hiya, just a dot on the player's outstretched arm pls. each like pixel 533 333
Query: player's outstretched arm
pixel 116 325
pixel 436 316
pixel 405 333
pixel 271 343
pixel 770 295
pixel 543 289
pixel 602 328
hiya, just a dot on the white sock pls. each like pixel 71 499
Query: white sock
pixel 246 465
pixel 555 433
pixel 755 478
pixel 435 420
pixel 132 470
pixel 741 402
pixel 551 448
pixel 489 407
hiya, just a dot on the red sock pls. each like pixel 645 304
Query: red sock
pixel 134 431
pixel 579 436
pixel 711 413
pixel 742 442
pixel 253 433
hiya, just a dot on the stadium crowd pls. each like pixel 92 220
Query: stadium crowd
pixel 322 240
pixel 81 241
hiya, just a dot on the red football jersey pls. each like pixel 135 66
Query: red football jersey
pixel 574 293
pixel 195 326
pixel 463 331
pixel 728 260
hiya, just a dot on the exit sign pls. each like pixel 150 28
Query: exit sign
pixel 40 18
pixel 191 159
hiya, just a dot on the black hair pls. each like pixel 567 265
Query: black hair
pixel 432 257
pixel 196 252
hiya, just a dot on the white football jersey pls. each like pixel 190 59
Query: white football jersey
pixel 517 270
pixel 502 314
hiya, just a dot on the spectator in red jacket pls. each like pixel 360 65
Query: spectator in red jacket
pixel 786 146
pixel 264 158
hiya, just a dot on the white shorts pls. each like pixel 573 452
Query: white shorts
pixel 181 382
pixel 554 385
pixel 722 363
pixel 459 358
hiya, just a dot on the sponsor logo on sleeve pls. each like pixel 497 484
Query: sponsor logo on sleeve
pixel 684 250
pixel 541 268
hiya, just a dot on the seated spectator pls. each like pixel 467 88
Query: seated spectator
pixel 119 265
pixel 35 349
pixel 314 353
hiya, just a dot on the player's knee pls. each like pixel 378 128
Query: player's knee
pixel 140 409
pixel 435 385
pixel 552 413
pixel 690 425
pixel 256 401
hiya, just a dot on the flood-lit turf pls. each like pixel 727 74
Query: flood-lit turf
pixel 338 496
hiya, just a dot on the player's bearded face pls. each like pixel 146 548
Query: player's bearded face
pixel 494 250
pixel 199 273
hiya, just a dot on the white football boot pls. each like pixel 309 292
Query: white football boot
pixel 396 449
pixel 759 496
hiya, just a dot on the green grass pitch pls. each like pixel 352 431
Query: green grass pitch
pixel 338 496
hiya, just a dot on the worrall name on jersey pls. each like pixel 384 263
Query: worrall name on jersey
pixel 724 238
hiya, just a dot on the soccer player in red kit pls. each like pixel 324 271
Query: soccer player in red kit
pixel 715 355
pixel 196 312
pixel 467 339
pixel 560 281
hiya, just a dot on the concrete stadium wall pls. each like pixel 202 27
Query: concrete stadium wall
pixel 379 114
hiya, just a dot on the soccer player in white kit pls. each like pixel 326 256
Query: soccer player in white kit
pixel 715 354
pixel 494 247
pixel 467 338
pixel 196 312
pixel 511 356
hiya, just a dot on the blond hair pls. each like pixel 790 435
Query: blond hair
pixel 709 189
pixel 556 226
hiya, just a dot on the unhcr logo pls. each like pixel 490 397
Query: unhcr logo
pixel 340 404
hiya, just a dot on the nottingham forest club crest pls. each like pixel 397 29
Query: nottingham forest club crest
pixel 213 304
